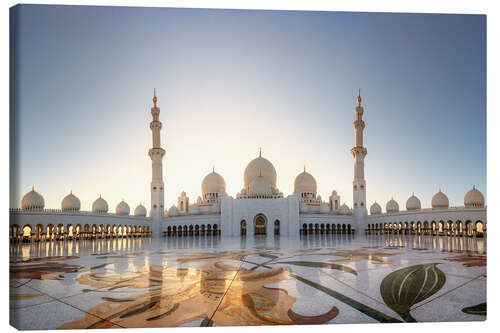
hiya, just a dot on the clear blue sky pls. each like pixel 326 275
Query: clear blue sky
pixel 231 81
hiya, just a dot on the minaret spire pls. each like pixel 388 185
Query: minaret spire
pixel 156 154
pixel 358 153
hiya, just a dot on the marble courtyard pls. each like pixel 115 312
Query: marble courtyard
pixel 255 280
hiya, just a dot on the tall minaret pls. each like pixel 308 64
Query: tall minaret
pixel 157 186
pixel 359 152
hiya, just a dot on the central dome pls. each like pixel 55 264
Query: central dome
pixel 305 183
pixel 262 166
pixel 260 187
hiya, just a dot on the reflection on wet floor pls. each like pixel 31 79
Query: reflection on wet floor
pixel 75 247
pixel 255 280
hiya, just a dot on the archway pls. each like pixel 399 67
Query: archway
pixel 277 227
pixel 243 228
pixel 27 233
pixel 479 229
pixel 260 223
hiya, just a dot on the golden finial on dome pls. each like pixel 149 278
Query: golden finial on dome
pixel 33 188
pixel 260 152
pixel 70 191
pixel 304 168
pixel 154 97
pixel 359 97
pixel 213 168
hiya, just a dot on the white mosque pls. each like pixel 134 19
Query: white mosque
pixel 260 208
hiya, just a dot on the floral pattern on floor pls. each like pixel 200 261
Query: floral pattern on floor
pixel 269 281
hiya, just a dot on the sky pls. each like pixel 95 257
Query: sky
pixel 231 81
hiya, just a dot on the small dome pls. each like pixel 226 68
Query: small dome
pixel 440 201
pixel 375 209
pixel 392 206
pixel 260 186
pixel 413 203
pixel 173 211
pixel 213 183
pixel 305 183
pixel 344 210
pixel 194 209
pixel 262 166
pixel 122 208
pixel 70 203
pixel 33 200
pixel 324 208
pixel 100 206
pixel 140 211
pixel 474 198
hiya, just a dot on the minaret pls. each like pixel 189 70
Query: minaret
pixel 359 152
pixel 157 186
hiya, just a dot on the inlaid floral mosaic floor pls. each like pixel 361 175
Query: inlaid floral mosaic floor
pixel 210 281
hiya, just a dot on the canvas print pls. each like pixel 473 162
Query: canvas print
pixel 213 167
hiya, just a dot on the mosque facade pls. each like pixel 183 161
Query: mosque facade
pixel 260 208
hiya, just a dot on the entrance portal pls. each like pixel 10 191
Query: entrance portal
pixel 260 225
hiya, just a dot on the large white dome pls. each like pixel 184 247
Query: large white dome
pixel 33 200
pixel 213 183
pixel 260 187
pixel 305 183
pixel 392 206
pixel 70 203
pixel 122 208
pixel 413 203
pixel 140 211
pixel 100 206
pixel 258 166
pixel 474 198
pixel 375 209
pixel 440 201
